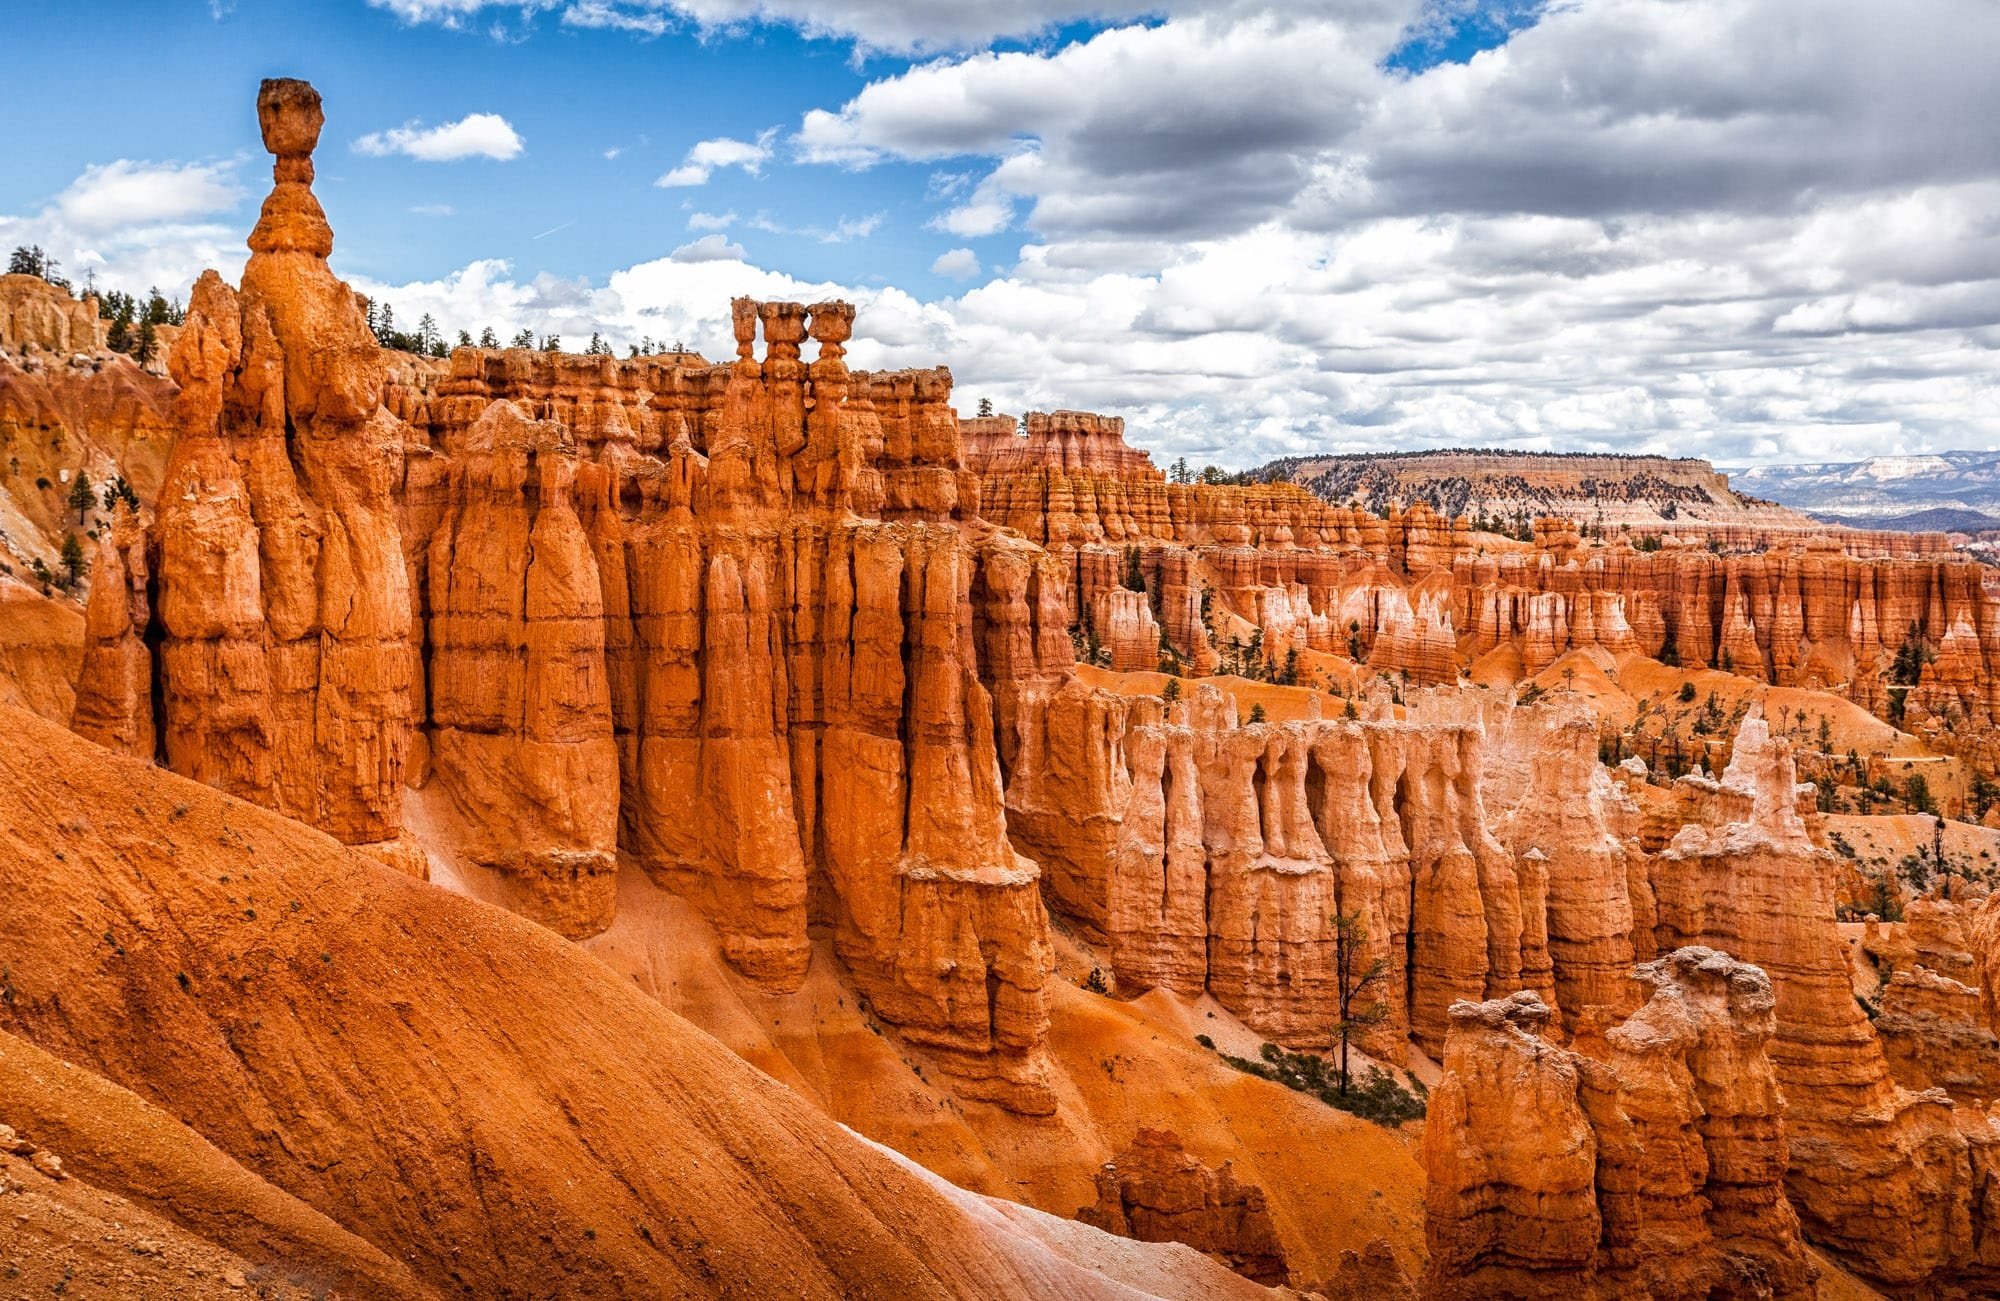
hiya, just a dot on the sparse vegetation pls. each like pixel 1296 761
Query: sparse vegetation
pixel 1376 1096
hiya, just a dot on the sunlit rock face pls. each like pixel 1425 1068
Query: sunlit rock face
pixel 1655 1165
pixel 720 618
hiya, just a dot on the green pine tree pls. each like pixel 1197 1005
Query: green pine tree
pixel 73 563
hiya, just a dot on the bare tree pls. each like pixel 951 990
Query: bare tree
pixel 1352 980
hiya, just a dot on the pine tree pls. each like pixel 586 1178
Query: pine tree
pixel 81 498
pixel 119 490
pixel 30 260
pixel 524 339
pixel 1134 577
pixel 73 563
pixel 488 339
pixel 149 343
pixel 986 406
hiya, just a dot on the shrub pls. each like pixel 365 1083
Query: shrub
pixel 1374 1096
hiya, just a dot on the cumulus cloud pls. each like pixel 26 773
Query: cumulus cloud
pixel 128 194
pixel 705 158
pixel 958 264
pixel 476 135
pixel 709 248
pixel 135 224
pixel 711 220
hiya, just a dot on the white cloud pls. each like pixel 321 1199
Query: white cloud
pixel 611 154
pixel 128 194
pixel 850 228
pixel 132 225
pixel 978 218
pixel 711 220
pixel 476 135
pixel 958 264
pixel 433 209
pixel 705 158
pixel 709 248
pixel 643 20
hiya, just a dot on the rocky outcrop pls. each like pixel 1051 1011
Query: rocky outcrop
pixel 1510 1209
pixel 1210 854
pixel 1657 1164
pixel 1934 1035
pixel 38 317
pixel 740 623
pixel 284 611
pixel 1882 1176
pixel 1608 493
pixel 97 415
pixel 1156 1191
pixel 115 689
pixel 759 630
pixel 1413 591
pixel 1371 1274
pixel 1069 442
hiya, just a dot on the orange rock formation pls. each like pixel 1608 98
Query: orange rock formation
pixel 1656 1164
pixel 1155 1192
pixel 728 619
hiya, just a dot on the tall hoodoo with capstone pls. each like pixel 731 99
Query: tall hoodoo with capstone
pixel 284 609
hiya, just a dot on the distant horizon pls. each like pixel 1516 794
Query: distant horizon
pixel 1254 231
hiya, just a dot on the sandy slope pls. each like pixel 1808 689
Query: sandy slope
pixel 457 1088
pixel 1117 1066
pixel 41 649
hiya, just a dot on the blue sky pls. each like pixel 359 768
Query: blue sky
pixel 571 95
pixel 1733 228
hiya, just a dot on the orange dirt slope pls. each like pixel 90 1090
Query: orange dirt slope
pixel 455 1086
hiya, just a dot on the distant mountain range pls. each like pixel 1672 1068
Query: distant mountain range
pixel 1938 519
pixel 1949 491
